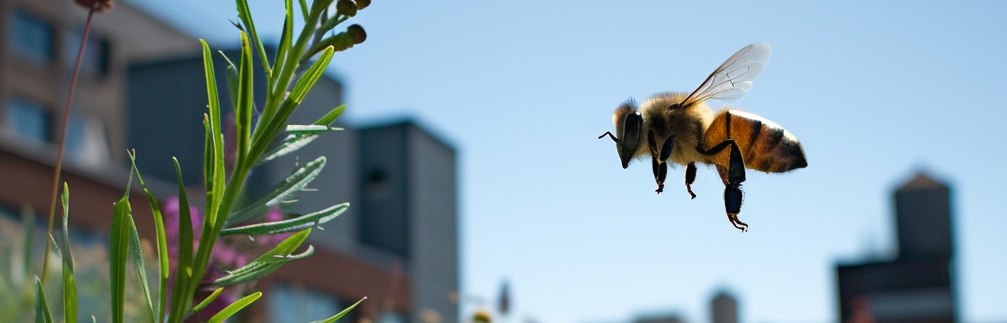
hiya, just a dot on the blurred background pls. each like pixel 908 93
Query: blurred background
pixel 479 183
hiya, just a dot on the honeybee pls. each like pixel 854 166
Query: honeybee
pixel 682 128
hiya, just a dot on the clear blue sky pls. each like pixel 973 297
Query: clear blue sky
pixel 874 91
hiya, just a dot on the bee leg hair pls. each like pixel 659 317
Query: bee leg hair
pixel 690 177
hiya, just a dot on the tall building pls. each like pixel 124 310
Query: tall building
pixel 142 87
pixel 916 286
pixel 724 308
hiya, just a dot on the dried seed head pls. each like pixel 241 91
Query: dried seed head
pixel 97 5
pixel 357 33
pixel 361 4
pixel 346 7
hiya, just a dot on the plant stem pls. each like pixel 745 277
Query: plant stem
pixel 62 139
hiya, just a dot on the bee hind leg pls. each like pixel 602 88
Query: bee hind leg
pixel 733 175
pixel 690 177
pixel 732 193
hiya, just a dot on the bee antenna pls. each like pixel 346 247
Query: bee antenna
pixel 609 133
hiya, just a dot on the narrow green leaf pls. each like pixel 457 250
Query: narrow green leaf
pixel 162 243
pixel 234 307
pixel 284 46
pixel 219 198
pixel 289 225
pixel 268 262
pixel 183 273
pixel 246 19
pixel 275 120
pixel 285 190
pixel 118 251
pixel 217 149
pixel 304 9
pixel 331 117
pixel 138 265
pixel 41 308
pixel 231 79
pixel 208 299
pixel 287 66
pixel 69 283
pixel 243 110
pixel 298 137
pixel 207 155
pixel 310 76
pixel 342 313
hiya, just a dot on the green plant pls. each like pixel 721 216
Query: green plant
pixel 299 63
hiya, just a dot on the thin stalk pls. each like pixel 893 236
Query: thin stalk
pixel 62 139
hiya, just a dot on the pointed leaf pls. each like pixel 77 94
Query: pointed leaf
pixel 118 251
pixel 289 225
pixel 268 262
pixel 275 118
pixel 234 307
pixel 162 244
pixel 231 80
pixel 243 108
pixel 208 299
pixel 183 272
pixel 69 283
pixel 331 117
pixel 246 19
pixel 41 308
pixel 304 9
pixel 342 313
pixel 141 270
pixel 285 190
pixel 300 136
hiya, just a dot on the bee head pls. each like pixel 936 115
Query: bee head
pixel 628 127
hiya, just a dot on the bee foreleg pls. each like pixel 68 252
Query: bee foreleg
pixel 690 176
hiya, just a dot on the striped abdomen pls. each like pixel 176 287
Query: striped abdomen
pixel 764 145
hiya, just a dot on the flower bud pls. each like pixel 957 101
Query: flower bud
pixel 346 7
pixel 97 5
pixel 357 33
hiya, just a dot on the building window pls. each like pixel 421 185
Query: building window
pixel 96 53
pixel 289 303
pixel 87 141
pixel 31 37
pixel 27 119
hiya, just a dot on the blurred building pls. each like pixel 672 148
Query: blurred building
pixel 916 286
pixel 665 318
pixel 724 308
pixel 39 41
pixel 142 87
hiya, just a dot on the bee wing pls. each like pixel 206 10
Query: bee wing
pixel 732 79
